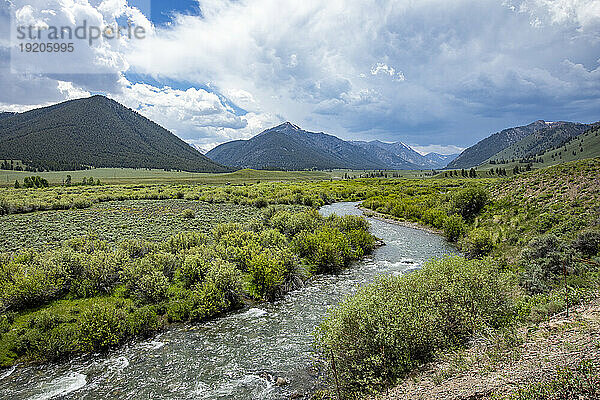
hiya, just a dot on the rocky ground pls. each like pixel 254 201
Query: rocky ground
pixel 496 366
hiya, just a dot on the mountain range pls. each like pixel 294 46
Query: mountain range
pixel 520 142
pixel 584 145
pixel 289 147
pixel 553 135
pixel 98 132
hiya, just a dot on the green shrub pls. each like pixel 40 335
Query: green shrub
pixel 434 217
pixel 580 382
pixel 238 247
pixel 540 307
pixel 34 182
pixel 81 203
pixel 543 260
pixel 396 323
pixel 292 223
pixel 454 227
pixel 469 202
pixel 260 202
pixel 361 242
pixel 226 229
pixel 96 274
pixel 273 238
pixel 102 326
pixel 269 211
pixel 87 244
pixel 226 278
pixel 179 306
pixel 327 249
pixel 587 243
pixel 546 221
pixel 143 321
pixel 30 280
pixel 44 321
pixel 207 302
pixel 193 270
pixel 267 271
pixel 58 343
pixel 479 243
pixel 137 248
pixel 347 223
pixel 52 343
pixel 167 263
pixel 218 293
pixel 185 241
pixel 144 282
pixel 6 319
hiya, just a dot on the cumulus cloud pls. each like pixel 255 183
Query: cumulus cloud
pixel 30 79
pixel 423 72
pixel 473 65
pixel 81 23
pixel 582 13
pixel 196 115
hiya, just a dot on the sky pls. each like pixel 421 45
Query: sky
pixel 439 75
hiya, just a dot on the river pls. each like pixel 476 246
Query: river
pixel 238 356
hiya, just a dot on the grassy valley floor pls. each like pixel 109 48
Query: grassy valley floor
pixel 112 221
pixel 120 176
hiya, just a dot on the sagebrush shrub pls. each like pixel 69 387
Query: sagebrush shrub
pixel 544 260
pixel 188 213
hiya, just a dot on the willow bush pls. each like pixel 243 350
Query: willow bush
pixel 396 323
pixel 94 295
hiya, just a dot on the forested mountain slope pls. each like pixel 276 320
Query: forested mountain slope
pixel 98 132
